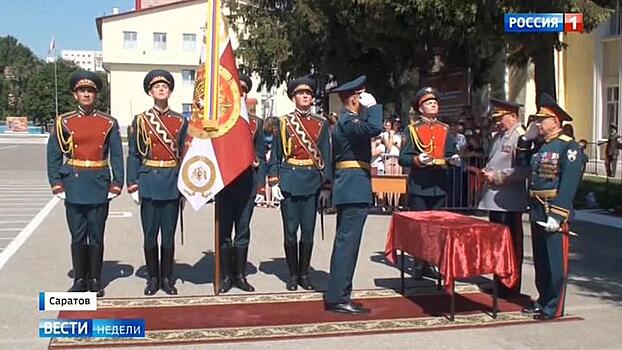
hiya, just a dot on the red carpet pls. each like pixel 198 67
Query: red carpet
pixel 177 320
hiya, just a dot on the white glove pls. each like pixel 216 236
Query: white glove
pixel 276 193
pixel 259 198
pixel 112 195
pixel 454 160
pixel 135 197
pixel 61 195
pixel 367 100
pixel 532 132
pixel 552 225
pixel 424 158
pixel 324 199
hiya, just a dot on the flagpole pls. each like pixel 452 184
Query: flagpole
pixel 55 87
pixel 217 271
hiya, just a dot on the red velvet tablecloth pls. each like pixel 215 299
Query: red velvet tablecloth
pixel 459 245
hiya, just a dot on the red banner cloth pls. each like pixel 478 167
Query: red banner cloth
pixel 459 245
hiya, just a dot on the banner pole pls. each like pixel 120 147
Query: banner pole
pixel 216 250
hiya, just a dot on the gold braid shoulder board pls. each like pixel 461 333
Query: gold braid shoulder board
pixel 298 130
pixel 161 132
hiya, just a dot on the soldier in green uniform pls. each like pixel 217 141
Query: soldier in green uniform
pixel 427 149
pixel 359 121
pixel 555 171
pixel 299 173
pixel 85 169
pixel 156 142
pixel 235 204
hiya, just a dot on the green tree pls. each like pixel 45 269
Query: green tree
pixel 17 65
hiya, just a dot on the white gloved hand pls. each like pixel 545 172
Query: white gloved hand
pixel 552 225
pixel 135 197
pixel 259 198
pixel 424 158
pixel 532 131
pixel 454 160
pixel 112 195
pixel 276 193
pixel 367 99
pixel 324 199
pixel 61 195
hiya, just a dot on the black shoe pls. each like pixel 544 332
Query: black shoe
pixel 226 284
pixel 291 256
pixel 153 270
pixel 152 286
pixel 96 286
pixel 79 285
pixel 168 286
pixel 304 263
pixel 430 271
pixel 241 255
pixel 226 268
pixel 292 283
pixel 542 316
pixel 167 260
pixel 303 281
pixel 532 309
pixel 96 258
pixel 346 308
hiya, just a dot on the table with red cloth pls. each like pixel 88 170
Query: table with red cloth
pixel 461 246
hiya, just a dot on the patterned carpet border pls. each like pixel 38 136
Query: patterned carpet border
pixel 240 334
pixel 252 298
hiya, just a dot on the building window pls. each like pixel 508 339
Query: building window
pixel 159 41
pixel 187 76
pixel 130 40
pixel 612 110
pixel 190 42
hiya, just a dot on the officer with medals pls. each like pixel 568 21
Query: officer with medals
pixel 300 174
pixel 555 171
pixel 427 149
pixel 360 120
pixel 85 169
pixel 156 143
pixel 235 204
pixel 505 190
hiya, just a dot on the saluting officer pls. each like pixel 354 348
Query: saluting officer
pixel 156 142
pixel 359 121
pixel 427 149
pixel 555 172
pixel 235 204
pixel 299 172
pixel 82 150
pixel 505 191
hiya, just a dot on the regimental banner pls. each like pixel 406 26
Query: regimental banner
pixel 219 133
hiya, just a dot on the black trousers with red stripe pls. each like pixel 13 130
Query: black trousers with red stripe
pixel 550 259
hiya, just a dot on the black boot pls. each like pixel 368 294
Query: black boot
pixel 167 259
pixel 153 269
pixel 305 260
pixel 241 255
pixel 291 256
pixel 80 262
pixel 96 258
pixel 226 269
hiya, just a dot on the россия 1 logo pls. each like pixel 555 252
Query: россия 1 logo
pixel 543 22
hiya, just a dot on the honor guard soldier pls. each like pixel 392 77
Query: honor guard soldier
pixel 83 148
pixel 505 191
pixel 555 172
pixel 299 173
pixel 156 142
pixel 360 120
pixel 235 204
pixel 427 149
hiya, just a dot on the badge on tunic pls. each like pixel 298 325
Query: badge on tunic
pixel 572 155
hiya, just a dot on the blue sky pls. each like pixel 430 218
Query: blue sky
pixel 71 22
